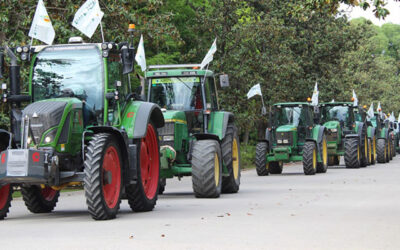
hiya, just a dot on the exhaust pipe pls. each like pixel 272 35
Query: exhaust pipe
pixel 15 76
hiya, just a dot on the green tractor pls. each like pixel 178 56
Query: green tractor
pixel 348 134
pixel 384 140
pixel 198 139
pixel 82 125
pixel 396 128
pixel 292 135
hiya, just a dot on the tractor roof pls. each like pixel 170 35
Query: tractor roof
pixel 292 103
pixel 336 104
pixel 177 70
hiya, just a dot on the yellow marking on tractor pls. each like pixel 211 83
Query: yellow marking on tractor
pixel 216 169
pixel 176 120
pixel 235 158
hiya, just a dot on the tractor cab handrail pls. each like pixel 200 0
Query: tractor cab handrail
pixel 175 66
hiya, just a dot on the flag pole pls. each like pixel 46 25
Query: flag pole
pixel 102 33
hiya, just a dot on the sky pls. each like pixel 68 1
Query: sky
pixel 392 6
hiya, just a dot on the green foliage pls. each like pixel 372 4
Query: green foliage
pixel 286 46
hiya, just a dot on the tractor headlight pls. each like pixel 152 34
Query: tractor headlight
pixel 286 141
pixel 24 56
pixel 279 141
pixel 104 46
pixel 48 139
pixel 105 53
pixel 29 140
pixel 333 130
pixel 110 46
pixel 19 49
pixel 168 138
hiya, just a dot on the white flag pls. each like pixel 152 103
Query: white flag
pixel 255 90
pixel 392 118
pixel 333 100
pixel 140 55
pixel 210 55
pixel 370 112
pixel 88 17
pixel 41 28
pixel 314 98
pixel 355 100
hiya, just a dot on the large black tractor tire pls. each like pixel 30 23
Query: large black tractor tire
pixel 365 153
pixel 373 151
pixel 322 167
pixel 230 148
pixel 310 158
pixel 381 150
pixel 390 149
pixel 142 196
pixel 352 154
pixel 103 176
pixel 5 200
pixel 261 160
pixel 206 169
pixel 163 183
pixel 38 199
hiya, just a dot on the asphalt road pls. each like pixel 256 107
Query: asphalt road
pixel 342 209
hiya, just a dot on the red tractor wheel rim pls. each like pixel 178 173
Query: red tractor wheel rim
pixel 4 191
pixel 149 163
pixel 111 165
pixel 48 193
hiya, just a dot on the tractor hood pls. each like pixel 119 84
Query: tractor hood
pixel 174 116
pixel 286 128
pixel 332 124
pixel 46 118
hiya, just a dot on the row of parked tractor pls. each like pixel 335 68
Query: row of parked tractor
pixel 319 135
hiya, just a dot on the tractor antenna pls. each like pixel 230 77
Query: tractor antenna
pixel 102 32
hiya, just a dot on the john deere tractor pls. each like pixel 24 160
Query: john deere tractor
pixel 384 138
pixel 348 134
pixel 292 135
pixel 198 139
pixel 81 124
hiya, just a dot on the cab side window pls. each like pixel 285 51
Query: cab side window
pixel 211 94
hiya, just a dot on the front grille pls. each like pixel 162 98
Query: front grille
pixel 332 136
pixel 284 138
pixel 167 130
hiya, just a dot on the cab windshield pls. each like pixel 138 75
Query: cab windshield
pixel 176 93
pixel 334 113
pixel 294 115
pixel 69 71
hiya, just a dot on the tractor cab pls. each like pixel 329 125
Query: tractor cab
pixel 338 117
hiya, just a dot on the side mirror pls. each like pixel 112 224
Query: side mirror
pixel 127 55
pixel 224 81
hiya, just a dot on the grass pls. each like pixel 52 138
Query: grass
pixel 247 153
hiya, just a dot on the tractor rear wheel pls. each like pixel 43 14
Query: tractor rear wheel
pixel 163 183
pixel 261 161
pixel 206 169
pixel 40 199
pixel 143 195
pixel 322 167
pixel 275 167
pixel 231 156
pixel 310 158
pixel 5 200
pixel 103 172
pixel 352 154
pixel 373 151
pixel 381 150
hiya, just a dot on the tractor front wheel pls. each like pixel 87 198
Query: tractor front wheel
pixel 142 196
pixel 231 157
pixel 163 183
pixel 261 161
pixel 310 158
pixel 381 151
pixel 40 199
pixel 275 167
pixel 206 169
pixel 103 180
pixel 322 167
pixel 5 200
pixel 352 154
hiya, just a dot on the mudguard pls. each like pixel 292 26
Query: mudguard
pixel 5 139
pixel 358 134
pixel 206 136
pixel 371 132
pixel 218 123
pixel 317 135
pixel 136 117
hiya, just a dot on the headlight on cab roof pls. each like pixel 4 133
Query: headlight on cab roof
pixel 168 138
pixel 334 130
